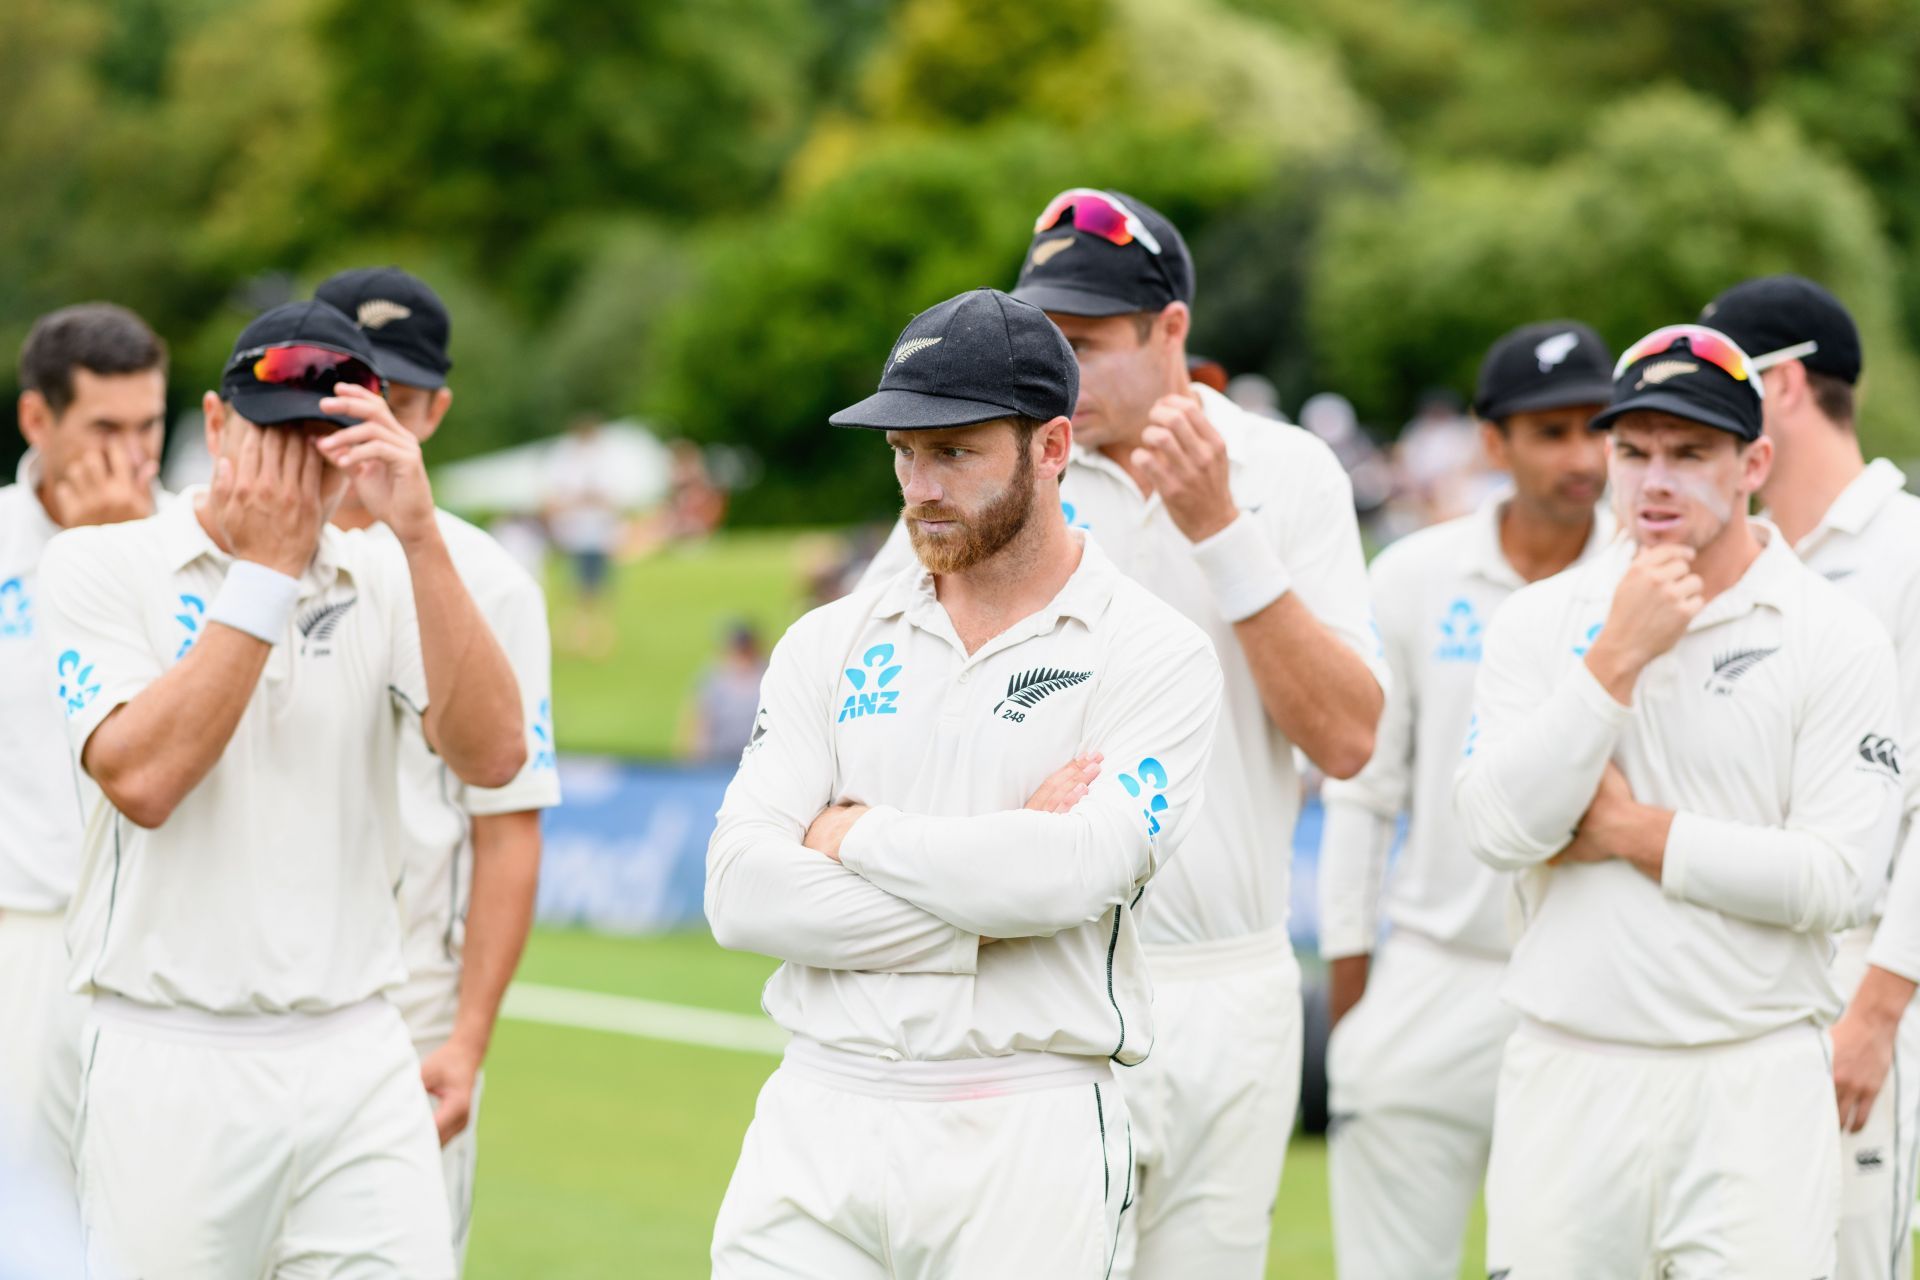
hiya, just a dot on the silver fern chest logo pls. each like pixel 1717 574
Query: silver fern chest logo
pixel 1729 667
pixel 318 624
pixel 1028 689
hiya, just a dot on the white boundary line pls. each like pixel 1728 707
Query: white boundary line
pixel 650 1019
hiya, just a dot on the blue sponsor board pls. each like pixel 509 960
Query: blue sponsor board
pixel 627 851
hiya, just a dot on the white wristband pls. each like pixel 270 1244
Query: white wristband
pixel 1242 569
pixel 256 600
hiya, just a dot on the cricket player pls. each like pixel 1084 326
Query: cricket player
pixel 92 407
pixel 235 674
pixel 1853 524
pixel 1246 526
pixel 961 781
pixel 1689 746
pixel 472 854
pixel 1411 1068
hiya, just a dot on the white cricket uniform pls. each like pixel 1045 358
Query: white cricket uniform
pixel 1657 1020
pixel 251 1104
pixel 40 1020
pixel 958 983
pixel 435 820
pixel 1866 544
pixel 1214 1106
pixel 1411 1069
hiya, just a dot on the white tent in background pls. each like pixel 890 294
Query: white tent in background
pixel 514 481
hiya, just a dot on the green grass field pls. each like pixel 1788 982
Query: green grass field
pixel 604 1156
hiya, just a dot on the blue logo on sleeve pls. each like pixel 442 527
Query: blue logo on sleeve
pixel 1150 785
pixel 1473 733
pixel 879 700
pixel 1585 642
pixel 543 757
pixel 16 610
pixel 192 609
pixel 1459 633
pixel 77 686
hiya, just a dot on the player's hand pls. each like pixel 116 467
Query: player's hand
pixel 831 827
pixel 1066 786
pixel 449 1074
pixel 1656 599
pixel 1863 1043
pixel 267 502
pixel 1186 460
pixel 383 458
pixel 1591 839
pixel 105 486
pixel 1346 983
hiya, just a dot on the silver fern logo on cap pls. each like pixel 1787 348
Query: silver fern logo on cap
pixel 378 313
pixel 912 347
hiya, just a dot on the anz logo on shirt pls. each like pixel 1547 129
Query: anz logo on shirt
pixel 1148 784
pixel 192 610
pixel 543 757
pixel 16 610
pixel 77 686
pixel 877 666
pixel 1073 517
pixel 1587 637
pixel 1459 633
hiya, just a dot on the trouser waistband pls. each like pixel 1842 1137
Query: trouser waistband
pixel 1554 1035
pixel 943 1080
pixel 1183 961
pixel 236 1030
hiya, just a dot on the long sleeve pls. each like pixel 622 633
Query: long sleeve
pixel 1536 747
pixel 767 892
pixel 1022 874
pixel 1824 869
pixel 1360 812
pixel 1896 941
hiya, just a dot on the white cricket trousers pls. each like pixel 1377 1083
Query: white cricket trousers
pixel 1617 1162
pixel 1213 1106
pixel 234 1148
pixel 40 1028
pixel 459 1162
pixel 1411 1072
pixel 860 1169
pixel 1877 1164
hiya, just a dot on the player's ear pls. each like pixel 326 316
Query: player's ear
pixel 1756 464
pixel 36 418
pixel 214 411
pixel 1174 322
pixel 1493 442
pixel 1055 441
pixel 437 408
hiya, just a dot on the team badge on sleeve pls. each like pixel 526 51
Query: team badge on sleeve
pixel 879 667
pixel 1880 755
pixel 77 686
pixel 1149 786
pixel 16 610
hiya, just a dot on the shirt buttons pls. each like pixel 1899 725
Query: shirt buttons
pixel 965 676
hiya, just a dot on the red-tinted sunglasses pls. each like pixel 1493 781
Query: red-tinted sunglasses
pixel 1097 213
pixel 1711 345
pixel 306 366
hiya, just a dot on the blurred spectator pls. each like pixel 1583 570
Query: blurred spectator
pixel 585 521
pixel 1441 469
pixel 1330 416
pixel 1255 393
pixel 1207 372
pixel 525 539
pixel 720 718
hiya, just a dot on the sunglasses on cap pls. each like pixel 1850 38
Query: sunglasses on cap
pixel 1097 213
pixel 1711 345
pixel 306 366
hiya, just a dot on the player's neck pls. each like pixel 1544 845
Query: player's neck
pixel 1805 485
pixel 1537 546
pixel 352 515
pixel 1017 581
pixel 1726 559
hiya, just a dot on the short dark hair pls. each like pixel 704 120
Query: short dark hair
pixel 1832 396
pixel 96 336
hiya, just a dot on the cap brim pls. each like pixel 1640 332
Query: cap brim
pixel 1559 396
pixel 276 406
pixel 1076 302
pixel 395 367
pixel 898 410
pixel 1678 406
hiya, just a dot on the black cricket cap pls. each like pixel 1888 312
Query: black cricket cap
pixel 974 358
pixel 1076 273
pixel 1687 386
pixel 312 323
pixel 1550 365
pixel 1773 313
pixel 404 319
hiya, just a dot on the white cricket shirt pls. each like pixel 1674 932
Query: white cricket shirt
pixel 1434 593
pixel 874 699
pixel 39 800
pixel 1868 544
pixel 1770 729
pixel 434 810
pixel 1232 877
pixel 271 887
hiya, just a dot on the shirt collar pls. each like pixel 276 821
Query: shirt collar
pixel 1488 559
pixel 1768 581
pixel 27 476
pixel 183 540
pixel 1860 501
pixel 1084 596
